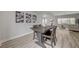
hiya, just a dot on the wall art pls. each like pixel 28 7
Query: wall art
pixel 25 17
pixel 28 18
pixel 34 18
pixel 19 17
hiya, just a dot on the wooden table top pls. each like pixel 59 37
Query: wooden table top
pixel 41 29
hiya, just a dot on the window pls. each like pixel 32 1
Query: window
pixel 44 22
pixel 66 21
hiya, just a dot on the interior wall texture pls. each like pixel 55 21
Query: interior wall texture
pixel 9 29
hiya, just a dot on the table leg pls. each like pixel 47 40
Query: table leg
pixel 40 40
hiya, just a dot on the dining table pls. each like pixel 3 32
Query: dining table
pixel 40 30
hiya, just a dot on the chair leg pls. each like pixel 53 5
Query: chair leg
pixel 55 40
pixel 52 43
pixel 33 35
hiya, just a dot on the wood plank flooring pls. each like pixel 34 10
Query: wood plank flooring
pixel 65 39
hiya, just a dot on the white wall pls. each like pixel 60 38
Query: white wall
pixel 9 29
pixel 1 21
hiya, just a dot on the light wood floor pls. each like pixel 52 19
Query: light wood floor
pixel 65 39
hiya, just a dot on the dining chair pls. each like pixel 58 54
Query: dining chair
pixel 51 35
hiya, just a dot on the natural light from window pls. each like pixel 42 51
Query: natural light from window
pixel 70 21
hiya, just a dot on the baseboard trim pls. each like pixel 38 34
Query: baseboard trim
pixel 16 37
pixel 20 35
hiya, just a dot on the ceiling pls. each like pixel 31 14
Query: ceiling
pixel 57 12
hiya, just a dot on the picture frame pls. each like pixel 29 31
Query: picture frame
pixel 34 18
pixel 19 17
pixel 24 17
pixel 27 18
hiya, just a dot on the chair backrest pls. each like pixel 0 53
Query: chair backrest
pixel 47 32
pixel 54 31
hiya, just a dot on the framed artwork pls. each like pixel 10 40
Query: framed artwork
pixel 28 18
pixel 34 18
pixel 22 17
pixel 19 17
